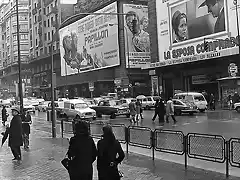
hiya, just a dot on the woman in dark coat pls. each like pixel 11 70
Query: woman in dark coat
pixel 15 134
pixel 110 154
pixel 82 152
pixel 161 111
pixel 26 121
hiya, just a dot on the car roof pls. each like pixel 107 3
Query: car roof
pixel 188 93
pixel 75 101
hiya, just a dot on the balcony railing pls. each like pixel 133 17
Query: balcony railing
pixel 40 43
pixel 34 11
pixel 54 10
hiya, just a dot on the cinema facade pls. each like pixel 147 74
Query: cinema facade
pixel 182 63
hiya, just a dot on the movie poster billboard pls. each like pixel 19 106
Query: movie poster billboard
pixel 184 25
pixel 90 43
pixel 137 43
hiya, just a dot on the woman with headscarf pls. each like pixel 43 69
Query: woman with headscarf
pixel 82 152
pixel 110 154
pixel 179 25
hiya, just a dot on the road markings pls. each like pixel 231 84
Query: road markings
pixel 185 124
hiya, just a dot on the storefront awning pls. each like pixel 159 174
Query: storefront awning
pixel 228 78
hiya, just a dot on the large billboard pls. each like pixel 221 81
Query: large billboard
pixel 90 43
pixel 137 43
pixel 183 25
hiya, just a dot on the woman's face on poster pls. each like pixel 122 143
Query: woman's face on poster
pixel 182 28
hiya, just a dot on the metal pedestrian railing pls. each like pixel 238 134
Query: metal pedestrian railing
pixel 205 147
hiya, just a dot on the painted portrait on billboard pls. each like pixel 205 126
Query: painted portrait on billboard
pixel 90 43
pixel 196 18
pixel 137 40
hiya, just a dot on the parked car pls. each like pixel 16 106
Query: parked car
pixel 197 98
pixel 77 109
pixel 183 106
pixel 6 102
pixel 111 107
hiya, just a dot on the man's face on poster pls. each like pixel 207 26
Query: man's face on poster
pixel 129 22
pixel 214 9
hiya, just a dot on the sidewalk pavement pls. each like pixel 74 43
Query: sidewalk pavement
pixel 42 162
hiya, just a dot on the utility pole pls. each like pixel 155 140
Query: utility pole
pixel 20 93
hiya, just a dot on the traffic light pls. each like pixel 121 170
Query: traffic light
pixel 135 28
pixel 206 45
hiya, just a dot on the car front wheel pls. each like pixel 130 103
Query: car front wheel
pixel 238 109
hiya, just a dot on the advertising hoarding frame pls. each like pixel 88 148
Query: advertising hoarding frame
pixel 103 42
pixel 223 42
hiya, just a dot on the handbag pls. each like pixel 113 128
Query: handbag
pixel 65 162
pixel 120 173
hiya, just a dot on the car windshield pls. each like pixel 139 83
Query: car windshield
pixel 81 105
pixel 188 98
pixel 199 98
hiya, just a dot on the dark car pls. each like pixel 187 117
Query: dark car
pixel 183 106
pixel 111 107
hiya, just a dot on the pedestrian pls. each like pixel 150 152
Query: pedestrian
pixel 235 98
pixel 157 110
pixel 138 109
pixel 162 111
pixel 141 110
pixel 212 102
pixel 132 109
pixel 110 154
pixel 230 102
pixel 15 134
pixel 26 121
pixel 82 153
pixel 170 110
pixel 4 115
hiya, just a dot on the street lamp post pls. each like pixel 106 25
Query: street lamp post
pixel 20 93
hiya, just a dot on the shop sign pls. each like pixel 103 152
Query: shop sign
pixel 200 79
pixel 155 85
pixel 152 72
pixel 177 45
pixel 40 74
pixel 232 70
pixel 91 86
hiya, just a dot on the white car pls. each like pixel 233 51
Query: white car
pixel 148 102
pixel 237 107
pixel 78 109
pixel 42 106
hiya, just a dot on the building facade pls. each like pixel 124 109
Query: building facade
pixel 44 19
pixel 125 76
pixel 9 47
pixel 179 59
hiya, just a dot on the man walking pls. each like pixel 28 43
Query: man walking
pixel 170 110
pixel 15 134
pixel 26 130
pixel 157 110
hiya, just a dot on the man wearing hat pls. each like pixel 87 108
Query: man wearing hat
pixel 216 8
pixel 15 134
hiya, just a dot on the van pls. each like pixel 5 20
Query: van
pixel 197 98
